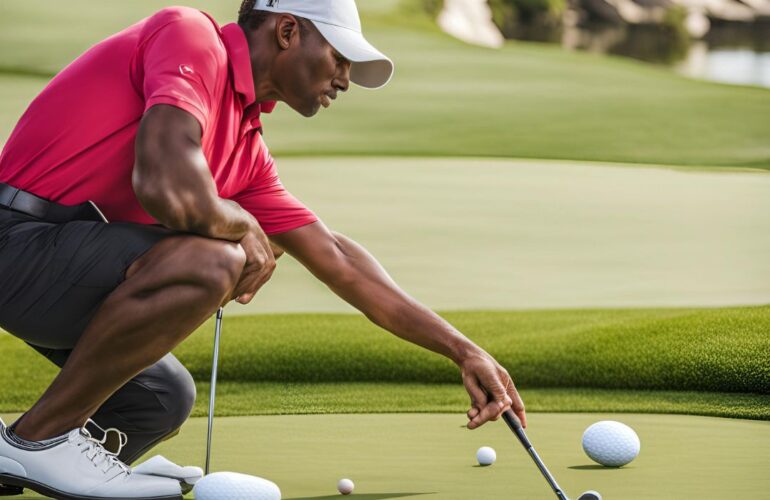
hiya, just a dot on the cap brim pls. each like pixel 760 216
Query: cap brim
pixel 370 68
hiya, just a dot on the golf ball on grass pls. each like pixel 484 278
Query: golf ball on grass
pixel 486 456
pixel 345 486
pixel 234 486
pixel 611 443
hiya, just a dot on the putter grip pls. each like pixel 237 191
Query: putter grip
pixel 515 425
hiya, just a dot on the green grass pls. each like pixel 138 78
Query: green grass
pixel 613 353
pixel 448 98
pixel 243 398
pixel 416 456
pixel 466 234
pixel 720 350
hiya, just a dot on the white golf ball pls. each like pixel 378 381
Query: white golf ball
pixel 345 486
pixel 486 456
pixel 234 486
pixel 611 443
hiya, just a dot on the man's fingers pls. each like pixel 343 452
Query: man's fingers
pixel 245 298
pixel 478 396
pixel 496 405
pixel 491 411
pixel 517 405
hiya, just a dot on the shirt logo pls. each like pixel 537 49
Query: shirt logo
pixel 185 70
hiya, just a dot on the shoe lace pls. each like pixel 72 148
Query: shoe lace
pixel 95 452
pixel 122 437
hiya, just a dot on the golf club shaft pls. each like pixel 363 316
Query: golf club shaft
pixel 515 425
pixel 213 389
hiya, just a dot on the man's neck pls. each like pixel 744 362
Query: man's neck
pixel 261 56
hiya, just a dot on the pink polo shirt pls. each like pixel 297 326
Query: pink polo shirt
pixel 75 142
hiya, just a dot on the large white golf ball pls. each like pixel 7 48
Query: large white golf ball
pixel 611 443
pixel 486 456
pixel 234 486
pixel 345 486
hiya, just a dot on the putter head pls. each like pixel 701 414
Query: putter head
pixel 590 495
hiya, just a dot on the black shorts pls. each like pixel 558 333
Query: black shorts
pixel 55 276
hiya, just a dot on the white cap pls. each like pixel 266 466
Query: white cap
pixel 338 22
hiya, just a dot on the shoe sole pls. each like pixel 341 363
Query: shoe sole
pixel 9 480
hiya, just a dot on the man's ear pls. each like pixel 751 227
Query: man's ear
pixel 286 28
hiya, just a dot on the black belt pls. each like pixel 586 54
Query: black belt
pixel 40 208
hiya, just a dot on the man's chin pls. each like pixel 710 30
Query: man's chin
pixel 308 111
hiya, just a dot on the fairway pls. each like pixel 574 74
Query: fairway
pixel 527 100
pixel 517 234
pixel 433 456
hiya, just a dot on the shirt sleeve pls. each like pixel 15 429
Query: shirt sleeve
pixel 182 60
pixel 276 210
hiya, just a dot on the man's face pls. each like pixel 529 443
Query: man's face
pixel 311 71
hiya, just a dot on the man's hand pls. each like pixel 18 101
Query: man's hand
pixel 260 264
pixel 491 390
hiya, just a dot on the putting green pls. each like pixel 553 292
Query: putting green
pixel 517 234
pixel 400 455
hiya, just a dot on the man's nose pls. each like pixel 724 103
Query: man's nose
pixel 342 81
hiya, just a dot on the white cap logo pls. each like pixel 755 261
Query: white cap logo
pixel 340 25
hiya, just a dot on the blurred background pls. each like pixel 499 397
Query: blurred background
pixel 580 186
pixel 527 154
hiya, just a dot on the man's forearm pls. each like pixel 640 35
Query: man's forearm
pixel 368 287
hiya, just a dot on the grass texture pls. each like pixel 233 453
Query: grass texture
pixel 719 350
pixel 243 398
pixel 447 98
pixel 597 360
pixel 419 456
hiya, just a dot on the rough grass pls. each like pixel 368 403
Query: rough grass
pixel 719 350
pixel 237 398
pixel 448 98
pixel 598 360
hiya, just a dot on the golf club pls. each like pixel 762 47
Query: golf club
pixel 213 389
pixel 515 425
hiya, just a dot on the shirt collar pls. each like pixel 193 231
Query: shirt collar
pixel 240 64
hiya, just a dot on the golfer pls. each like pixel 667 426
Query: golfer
pixel 158 130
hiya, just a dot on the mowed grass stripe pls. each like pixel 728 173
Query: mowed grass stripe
pixel 236 398
pixel 272 398
pixel 452 99
pixel 710 350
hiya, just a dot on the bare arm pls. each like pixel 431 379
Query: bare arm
pixel 173 183
pixel 172 180
pixel 354 274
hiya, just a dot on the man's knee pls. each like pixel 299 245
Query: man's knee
pixel 215 265
pixel 178 394
pixel 150 408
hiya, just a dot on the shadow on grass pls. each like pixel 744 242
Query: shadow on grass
pixel 366 496
pixel 595 467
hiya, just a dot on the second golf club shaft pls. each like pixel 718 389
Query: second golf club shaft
pixel 213 389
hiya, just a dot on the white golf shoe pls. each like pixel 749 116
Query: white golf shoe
pixel 75 466
pixel 160 466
